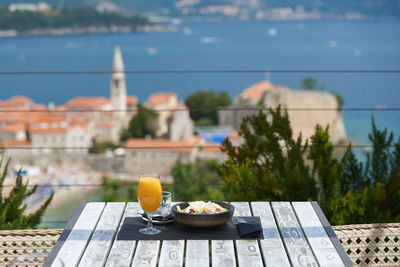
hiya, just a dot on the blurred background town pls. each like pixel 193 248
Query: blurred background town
pixel 93 93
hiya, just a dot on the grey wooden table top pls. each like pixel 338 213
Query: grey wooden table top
pixel 295 234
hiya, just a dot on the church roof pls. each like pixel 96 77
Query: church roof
pixel 118 63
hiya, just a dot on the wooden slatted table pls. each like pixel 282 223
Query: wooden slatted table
pixel 295 234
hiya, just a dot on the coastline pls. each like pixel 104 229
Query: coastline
pixel 88 30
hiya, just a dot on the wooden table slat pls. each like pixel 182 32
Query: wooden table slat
pixel 222 253
pixel 73 248
pixel 197 253
pixel 99 245
pixel 297 247
pixel 146 253
pixel 319 241
pixel 248 251
pixel 271 246
pixel 172 253
pixel 121 253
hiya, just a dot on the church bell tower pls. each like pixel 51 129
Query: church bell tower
pixel 118 86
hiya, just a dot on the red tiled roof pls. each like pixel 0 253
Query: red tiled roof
pixel 211 147
pixel 46 118
pixel 87 102
pixel 18 100
pixel 194 140
pixel 131 100
pixel 160 98
pixel 15 143
pixel 59 130
pixel 257 90
pixel 158 144
pixel 13 128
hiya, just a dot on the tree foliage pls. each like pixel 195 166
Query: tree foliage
pixel 143 124
pixel 310 83
pixel 12 207
pixel 101 147
pixel 197 181
pixel 205 105
pixel 271 165
pixel 115 190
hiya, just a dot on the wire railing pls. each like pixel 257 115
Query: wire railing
pixel 5 110
pixel 165 147
pixel 200 71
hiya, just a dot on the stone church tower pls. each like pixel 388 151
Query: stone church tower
pixel 118 86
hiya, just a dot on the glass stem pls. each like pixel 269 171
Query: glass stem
pixel 150 221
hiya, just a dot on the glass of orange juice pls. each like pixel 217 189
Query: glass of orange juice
pixel 149 195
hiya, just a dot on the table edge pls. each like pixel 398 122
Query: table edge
pixel 331 234
pixel 65 233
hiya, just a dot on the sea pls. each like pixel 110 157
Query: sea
pixel 220 45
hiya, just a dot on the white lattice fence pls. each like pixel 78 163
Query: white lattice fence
pixel 26 247
pixel 371 244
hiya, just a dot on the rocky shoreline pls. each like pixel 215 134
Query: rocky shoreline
pixel 88 30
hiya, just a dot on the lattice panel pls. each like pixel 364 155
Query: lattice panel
pixel 371 244
pixel 26 247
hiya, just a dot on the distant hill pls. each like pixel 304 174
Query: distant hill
pixel 368 8
pixel 77 20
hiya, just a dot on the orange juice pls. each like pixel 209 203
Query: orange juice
pixel 149 193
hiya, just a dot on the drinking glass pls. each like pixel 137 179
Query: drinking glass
pixel 149 196
pixel 164 210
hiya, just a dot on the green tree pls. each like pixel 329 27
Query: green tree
pixel 379 161
pixel 142 124
pixel 102 147
pixel 205 105
pixel 339 100
pixel 352 175
pixel 326 169
pixel 309 83
pixel 115 190
pixel 197 181
pixel 269 164
pixel 12 207
pixel 391 202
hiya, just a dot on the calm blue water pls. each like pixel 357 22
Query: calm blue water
pixel 372 44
